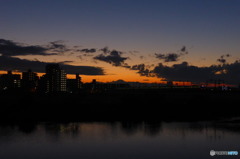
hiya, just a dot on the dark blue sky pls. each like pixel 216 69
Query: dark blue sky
pixel 130 24
pixel 208 28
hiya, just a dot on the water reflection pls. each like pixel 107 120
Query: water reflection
pixel 117 140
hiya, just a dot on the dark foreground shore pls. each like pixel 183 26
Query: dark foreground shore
pixel 125 104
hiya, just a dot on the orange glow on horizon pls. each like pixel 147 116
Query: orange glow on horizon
pixel 182 83
pixel 133 77
pixel 130 78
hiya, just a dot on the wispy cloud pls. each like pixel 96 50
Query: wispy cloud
pixel 13 63
pixel 223 59
pixel 11 48
pixel 172 57
pixel 105 50
pixel 93 50
pixel 58 47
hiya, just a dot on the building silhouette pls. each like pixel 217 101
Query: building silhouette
pixel 10 81
pixel 55 79
pixel 74 85
pixel 29 81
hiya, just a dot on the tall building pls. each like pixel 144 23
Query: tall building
pixel 55 79
pixel 29 80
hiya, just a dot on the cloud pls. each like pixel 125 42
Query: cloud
pixel 134 52
pixel 139 67
pixel 142 70
pixel 13 63
pixel 65 62
pixel 184 49
pixel 222 58
pixel 58 47
pixel 105 50
pixel 185 72
pixel 172 57
pixel 88 50
pixel 114 57
pixel 10 48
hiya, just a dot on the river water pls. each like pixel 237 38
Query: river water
pixel 118 140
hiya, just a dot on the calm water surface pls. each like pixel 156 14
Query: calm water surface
pixel 119 140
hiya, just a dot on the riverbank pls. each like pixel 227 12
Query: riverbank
pixel 125 104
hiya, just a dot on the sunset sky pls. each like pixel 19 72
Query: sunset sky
pixel 132 40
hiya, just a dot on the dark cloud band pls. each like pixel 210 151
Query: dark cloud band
pixel 185 72
pixel 10 48
pixel 13 63
pixel 93 50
